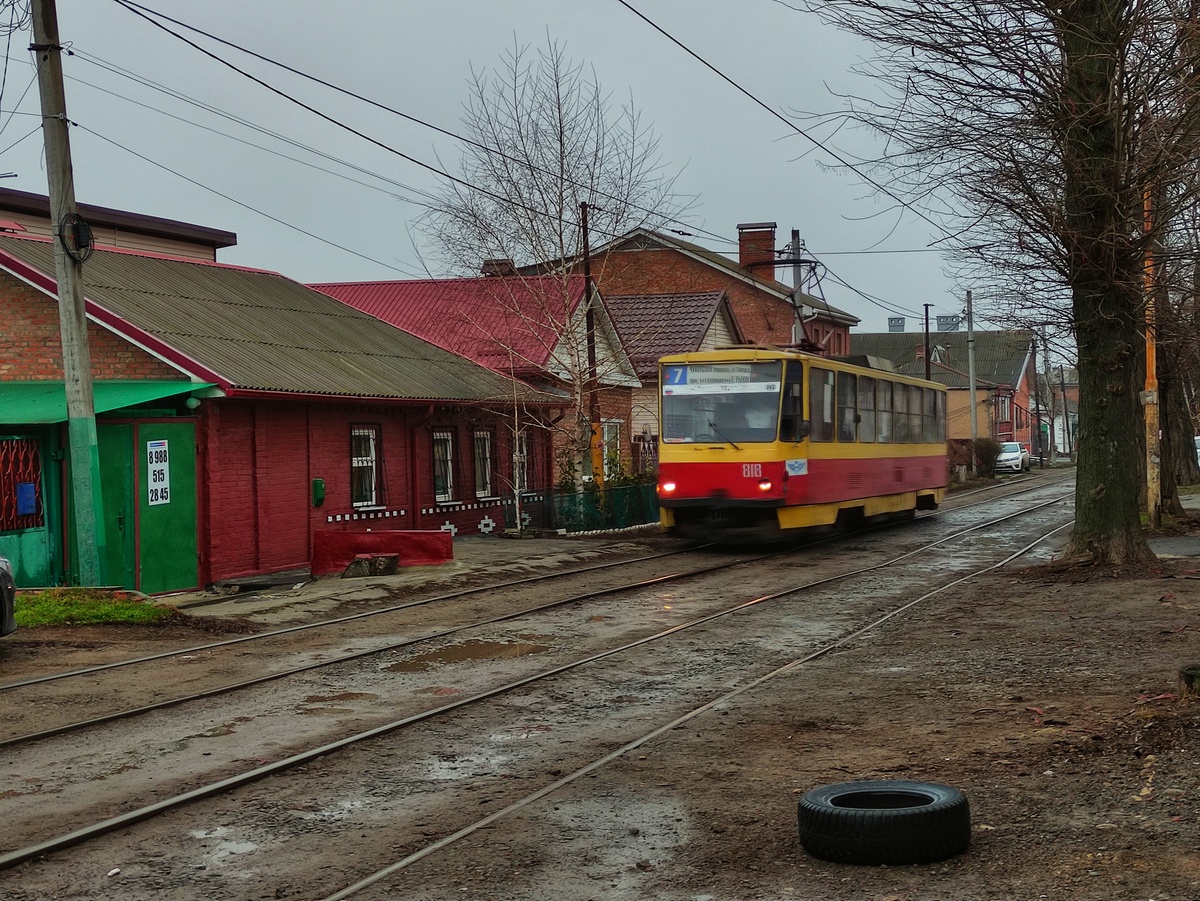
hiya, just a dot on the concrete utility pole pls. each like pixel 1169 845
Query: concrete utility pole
pixel 971 378
pixel 69 229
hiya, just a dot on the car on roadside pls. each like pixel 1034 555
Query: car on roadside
pixel 1198 449
pixel 8 598
pixel 1012 458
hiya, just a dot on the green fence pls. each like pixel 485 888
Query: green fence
pixel 588 511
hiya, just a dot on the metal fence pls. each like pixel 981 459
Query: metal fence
pixel 588 511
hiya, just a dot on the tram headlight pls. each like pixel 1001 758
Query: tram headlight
pixel 666 488
pixel 765 485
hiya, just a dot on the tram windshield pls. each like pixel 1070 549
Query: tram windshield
pixel 720 402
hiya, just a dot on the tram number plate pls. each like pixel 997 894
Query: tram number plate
pixel 751 470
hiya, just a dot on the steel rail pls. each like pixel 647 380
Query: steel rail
pixel 167 804
pixel 167 703
pixel 391 869
pixel 529 580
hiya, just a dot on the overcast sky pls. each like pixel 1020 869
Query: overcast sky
pixel 139 149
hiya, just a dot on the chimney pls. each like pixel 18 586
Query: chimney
pixel 498 267
pixel 756 248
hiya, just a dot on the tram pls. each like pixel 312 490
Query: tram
pixel 761 440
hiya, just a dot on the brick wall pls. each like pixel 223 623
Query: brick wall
pixel 259 459
pixel 764 318
pixel 31 345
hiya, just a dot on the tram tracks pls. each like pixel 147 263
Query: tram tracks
pixel 114 690
pixel 472 700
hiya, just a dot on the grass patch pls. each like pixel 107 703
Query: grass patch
pixel 84 607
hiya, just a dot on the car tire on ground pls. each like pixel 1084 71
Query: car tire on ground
pixel 884 822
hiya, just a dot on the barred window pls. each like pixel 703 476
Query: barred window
pixel 521 463
pixel 443 465
pixel 364 466
pixel 20 485
pixel 483 464
pixel 610 442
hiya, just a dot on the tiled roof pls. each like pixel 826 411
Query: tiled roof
pixel 1001 357
pixel 654 325
pixel 252 331
pixel 509 324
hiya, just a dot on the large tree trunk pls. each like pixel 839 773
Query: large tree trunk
pixel 1109 472
pixel 1104 270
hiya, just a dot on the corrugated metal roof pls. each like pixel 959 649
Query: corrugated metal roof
pixel 1001 357
pixel 504 323
pixel 258 331
pixel 654 325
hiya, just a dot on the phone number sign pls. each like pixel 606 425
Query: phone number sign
pixel 158 472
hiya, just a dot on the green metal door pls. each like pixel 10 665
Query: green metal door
pixel 114 443
pixel 166 492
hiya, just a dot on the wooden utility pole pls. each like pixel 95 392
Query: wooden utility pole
pixel 928 371
pixel 68 253
pixel 1150 394
pixel 596 445
pixel 972 387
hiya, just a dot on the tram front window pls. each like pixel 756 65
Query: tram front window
pixel 720 402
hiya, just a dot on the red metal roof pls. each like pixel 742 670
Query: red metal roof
pixel 506 323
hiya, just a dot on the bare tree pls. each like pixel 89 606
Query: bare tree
pixel 1032 130
pixel 544 140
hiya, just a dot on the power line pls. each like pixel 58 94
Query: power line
pixel 790 124
pixel 116 70
pixel 145 12
pixel 245 206
pixel 142 11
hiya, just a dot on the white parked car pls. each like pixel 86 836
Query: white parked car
pixel 1198 448
pixel 1013 457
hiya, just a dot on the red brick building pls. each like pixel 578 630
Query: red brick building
pixel 768 311
pixel 238 415
pixel 528 327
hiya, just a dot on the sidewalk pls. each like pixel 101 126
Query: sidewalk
pixel 499 558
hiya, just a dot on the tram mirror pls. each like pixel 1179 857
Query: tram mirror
pixel 794 429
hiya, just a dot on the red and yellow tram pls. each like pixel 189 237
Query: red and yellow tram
pixel 758 438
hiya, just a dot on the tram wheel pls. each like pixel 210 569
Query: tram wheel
pixel 884 822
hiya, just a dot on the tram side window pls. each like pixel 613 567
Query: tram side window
pixel 916 434
pixel 792 426
pixel 820 403
pixel 883 410
pixel 930 416
pixel 899 413
pixel 847 407
pixel 866 408
pixel 941 416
